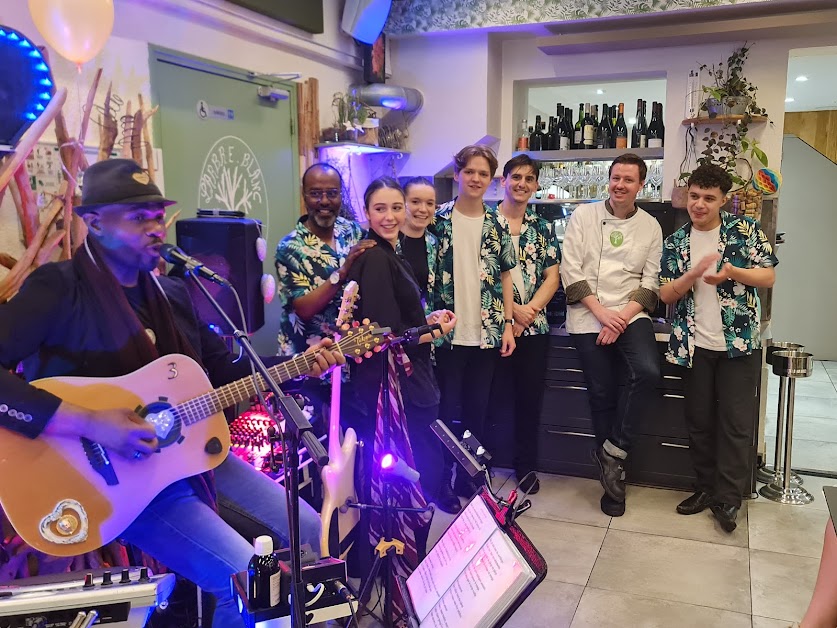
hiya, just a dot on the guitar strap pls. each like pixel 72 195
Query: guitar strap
pixel 122 332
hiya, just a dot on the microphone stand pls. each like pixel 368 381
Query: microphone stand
pixel 297 429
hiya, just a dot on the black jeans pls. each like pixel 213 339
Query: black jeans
pixel 464 375
pixel 615 415
pixel 521 375
pixel 720 415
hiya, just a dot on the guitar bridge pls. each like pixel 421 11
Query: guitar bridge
pixel 100 461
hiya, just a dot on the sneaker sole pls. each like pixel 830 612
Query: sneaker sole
pixel 607 489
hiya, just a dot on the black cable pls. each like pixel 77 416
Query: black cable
pixel 353 617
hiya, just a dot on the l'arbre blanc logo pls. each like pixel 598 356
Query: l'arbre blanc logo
pixel 232 179
pixel 616 238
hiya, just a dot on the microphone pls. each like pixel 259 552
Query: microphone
pixel 175 255
pixel 413 334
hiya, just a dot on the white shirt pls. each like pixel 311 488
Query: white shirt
pixel 615 256
pixel 517 271
pixel 709 330
pixel 467 237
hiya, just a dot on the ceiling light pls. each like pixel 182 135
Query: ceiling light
pixel 801 78
pixel 600 92
pixel 789 99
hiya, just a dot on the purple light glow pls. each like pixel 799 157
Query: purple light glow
pixel 387 461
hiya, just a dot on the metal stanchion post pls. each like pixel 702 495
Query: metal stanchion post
pixel 793 365
pixel 775 473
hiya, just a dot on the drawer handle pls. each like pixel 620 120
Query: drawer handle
pixel 672 377
pixel 567 387
pixel 557 370
pixel 674 396
pixel 675 445
pixel 571 434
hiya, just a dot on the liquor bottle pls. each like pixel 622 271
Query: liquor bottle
pixel 263 575
pixel 604 136
pixel 655 138
pixel 535 136
pixel 565 130
pixel 588 133
pixel 578 132
pixel 620 129
pixel 523 137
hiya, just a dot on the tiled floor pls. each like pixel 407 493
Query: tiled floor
pixel 653 567
pixel 815 419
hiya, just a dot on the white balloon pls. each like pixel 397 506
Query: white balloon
pixel 75 29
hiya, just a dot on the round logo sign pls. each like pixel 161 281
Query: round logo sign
pixel 616 238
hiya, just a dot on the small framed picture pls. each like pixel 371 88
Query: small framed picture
pixel 374 61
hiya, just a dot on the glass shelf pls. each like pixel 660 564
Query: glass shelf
pixel 359 149
pixel 593 154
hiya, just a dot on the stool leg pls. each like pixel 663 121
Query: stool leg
pixel 775 473
pixel 785 492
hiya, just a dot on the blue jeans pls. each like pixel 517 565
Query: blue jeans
pixel 632 360
pixel 185 534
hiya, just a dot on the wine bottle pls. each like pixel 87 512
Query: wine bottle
pixel 613 114
pixel 523 137
pixel 604 136
pixel 639 132
pixel 660 122
pixel 643 136
pixel 578 137
pixel 620 129
pixel 567 138
pixel 551 136
pixel 535 137
pixel 655 139
pixel 589 128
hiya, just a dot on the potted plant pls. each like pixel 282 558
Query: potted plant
pixel 731 91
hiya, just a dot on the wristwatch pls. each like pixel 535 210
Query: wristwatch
pixel 334 278
pixel 510 321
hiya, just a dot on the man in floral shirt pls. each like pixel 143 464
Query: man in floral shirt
pixel 711 269
pixel 535 280
pixel 475 252
pixel 313 260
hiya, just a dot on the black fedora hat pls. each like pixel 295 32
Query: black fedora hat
pixel 118 182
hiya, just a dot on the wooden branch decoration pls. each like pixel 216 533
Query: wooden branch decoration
pixel 150 165
pixel 170 221
pixel 30 138
pixel 108 128
pixel 127 131
pixel 28 210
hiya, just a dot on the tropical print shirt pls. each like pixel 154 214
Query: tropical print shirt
pixel 496 256
pixel 303 263
pixel 430 243
pixel 742 243
pixel 538 251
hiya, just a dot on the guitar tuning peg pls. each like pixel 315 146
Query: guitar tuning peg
pixel 355 324
pixel 366 321
pixel 358 360
pixel 367 355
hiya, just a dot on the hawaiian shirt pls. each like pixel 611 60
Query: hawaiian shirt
pixel 538 251
pixel 430 243
pixel 742 243
pixel 303 263
pixel 496 256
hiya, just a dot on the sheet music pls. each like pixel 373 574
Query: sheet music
pixel 450 556
pixel 484 589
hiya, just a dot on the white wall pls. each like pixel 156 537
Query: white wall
pixel 206 28
pixel 804 299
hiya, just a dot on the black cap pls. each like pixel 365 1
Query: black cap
pixel 118 182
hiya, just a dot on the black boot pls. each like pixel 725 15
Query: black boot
pixel 612 507
pixel 698 502
pixel 611 474
pixel 726 516
pixel 445 499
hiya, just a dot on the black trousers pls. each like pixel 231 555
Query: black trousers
pixel 464 375
pixel 521 376
pixel 720 415
pixel 632 359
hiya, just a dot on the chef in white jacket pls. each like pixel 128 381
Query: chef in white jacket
pixel 610 272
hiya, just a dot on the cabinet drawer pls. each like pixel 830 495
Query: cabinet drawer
pixel 560 342
pixel 566 450
pixel 559 368
pixel 653 458
pixel 666 416
pixel 671 376
pixel 565 404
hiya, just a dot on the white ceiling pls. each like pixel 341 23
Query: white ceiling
pixel 542 100
pixel 820 90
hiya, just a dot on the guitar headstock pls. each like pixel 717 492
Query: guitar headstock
pixel 361 341
pixel 347 304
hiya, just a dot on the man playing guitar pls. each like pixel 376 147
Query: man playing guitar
pixel 105 314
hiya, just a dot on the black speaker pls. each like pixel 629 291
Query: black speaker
pixel 227 246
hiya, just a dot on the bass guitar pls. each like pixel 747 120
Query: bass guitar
pixel 67 496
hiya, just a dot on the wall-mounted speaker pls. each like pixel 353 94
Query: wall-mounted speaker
pixel 227 246
pixel 365 19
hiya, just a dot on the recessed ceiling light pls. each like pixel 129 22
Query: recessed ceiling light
pixel 789 99
pixel 632 121
pixel 801 78
pixel 600 92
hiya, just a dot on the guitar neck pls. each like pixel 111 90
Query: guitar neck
pixel 215 401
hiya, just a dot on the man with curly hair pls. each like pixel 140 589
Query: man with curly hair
pixel 711 269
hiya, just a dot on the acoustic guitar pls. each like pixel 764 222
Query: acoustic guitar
pixel 68 496
pixel 339 522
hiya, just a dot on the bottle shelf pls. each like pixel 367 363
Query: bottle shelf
pixel 731 119
pixel 359 149
pixel 592 154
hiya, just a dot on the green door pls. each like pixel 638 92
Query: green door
pixel 224 147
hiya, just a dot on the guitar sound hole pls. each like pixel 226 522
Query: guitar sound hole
pixel 166 423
